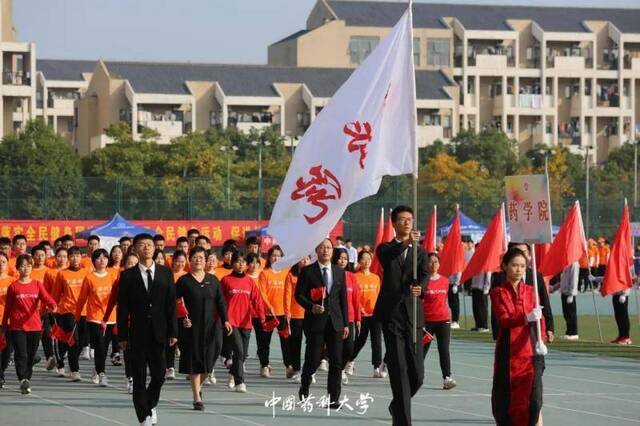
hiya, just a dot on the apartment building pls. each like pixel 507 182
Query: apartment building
pixel 176 98
pixel 553 75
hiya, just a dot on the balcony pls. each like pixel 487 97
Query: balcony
pixel 64 105
pixel 16 78
pixel 531 101
pixel 491 61
pixel 573 63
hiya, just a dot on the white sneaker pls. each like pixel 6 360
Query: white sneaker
pixel 350 367
pixel 383 370
pixel 483 330
pixel 146 422
pixel 228 362
pixel 265 372
pixel 154 416
pixel 324 365
pixel 297 378
pixel 377 374
pixel 95 379
pixel 455 325
pixel 76 377
pixel 345 378
pixel 231 383
pixel 130 386
pixel 570 337
pixel 51 363
pixel 212 377
pixel 104 382
pixel 59 372
pixel 170 374
pixel 448 383
pixel 241 388
pixel 85 354
pixel 313 378
pixel 207 381
pixel 92 354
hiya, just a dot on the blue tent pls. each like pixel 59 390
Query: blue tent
pixel 467 227
pixel 117 227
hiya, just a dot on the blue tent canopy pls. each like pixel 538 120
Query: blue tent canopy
pixel 116 227
pixel 467 227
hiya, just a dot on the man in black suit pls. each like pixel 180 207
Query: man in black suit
pixel 322 292
pixel 395 311
pixel 146 323
pixel 543 295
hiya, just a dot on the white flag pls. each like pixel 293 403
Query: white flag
pixel 366 131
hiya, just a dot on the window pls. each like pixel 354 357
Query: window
pixel 360 47
pixel 416 51
pixel 438 52
pixel 431 118
pixel 215 118
pixel 304 119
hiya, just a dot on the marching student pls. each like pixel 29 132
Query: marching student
pixel 212 261
pixel 480 286
pixel 225 268
pixel 203 241
pixel 66 290
pixel 204 301
pixel 5 281
pixel 50 277
pixel 516 395
pixel 21 318
pixel 93 244
pixel 38 273
pixel 438 318
pixel 253 246
pixel 192 234
pixel 340 259
pixel 241 295
pixel 294 313
pixel 160 258
pixel 116 258
pixel 568 286
pixel 115 266
pixel 271 285
pixel 95 292
pixel 178 264
pixel 369 284
pixel 125 242
pixel 159 242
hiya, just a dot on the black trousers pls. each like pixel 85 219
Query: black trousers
pixel 315 341
pixel 115 344
pixel 100 344
pixel 348 345
pixel 5 355
pixel 238 343
pixel 68 323
pixel 405 365
pixel 583 280
pixel 442 332
pixel 621 312
pixel 83 332
pixel 264 342
pixel 47 343
pixel 128 367
pixel 570 314
pixel 373 327
pixel 454 303
pixel 480 305
pixel 25 345
pixel 147 354
pixel 295 343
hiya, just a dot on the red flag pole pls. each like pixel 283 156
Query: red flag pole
pixel 541 348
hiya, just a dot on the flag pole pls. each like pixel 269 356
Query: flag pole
pixel 541 348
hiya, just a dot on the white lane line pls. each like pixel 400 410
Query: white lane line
pixel 591 413
pixel 97 416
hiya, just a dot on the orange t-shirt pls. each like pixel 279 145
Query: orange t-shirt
pixel 51 262
pixel 39 273
pixel 86 263
pixel 292 308
pixel 13 272
pixel 271 285
pixel 94 295
pixel 369 290
pixel 222 272
pixel 4 285
pixel 67 289
pixel 603 254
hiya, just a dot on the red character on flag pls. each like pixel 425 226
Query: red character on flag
pixel 360 136
pixel 316 190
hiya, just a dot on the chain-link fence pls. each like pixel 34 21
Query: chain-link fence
pixel 200 199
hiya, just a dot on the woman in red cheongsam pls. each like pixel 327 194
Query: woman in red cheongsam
pixel 516 397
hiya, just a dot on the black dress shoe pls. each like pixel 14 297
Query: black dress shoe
pixel 334 405
pixel 198 406
pixel 303 393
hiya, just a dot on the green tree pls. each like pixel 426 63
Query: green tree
pixel 492 149
pixel 40 174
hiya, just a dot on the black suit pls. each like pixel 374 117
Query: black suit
pixel 146 320
pixel 543 295
pixel 325 328
pixel 394 310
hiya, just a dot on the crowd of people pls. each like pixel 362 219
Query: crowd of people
pixel 151 305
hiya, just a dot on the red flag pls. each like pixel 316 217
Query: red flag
pixel 452 257
pixel 488 254
pixel 618 274
pixel 541 253
pixel 429 242
pixel 63 336
pixel 388 235
pixel 568 246
pixel 380 231
pixel 270 324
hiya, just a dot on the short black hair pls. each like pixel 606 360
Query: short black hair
pixel 17 238
pixel 142 237
pixel 196 250
pixel 230 241
pixel 4 241
pixel 252 240
pixel 348 240
pixel 515 244
pixel 74 250
pixel 59 249
pixel 93 237
pixel 237 256
pixel 227 248
pixel 97 253
pixel 44 243
pixel 362 253
pixel 65 238
pixel 400 209
pixel 252 257
pixel 178 253
pixel 158 237
pixel 159 252
pixel 203 237
pixel 182 240
pixel 38 248
pixel 340 237
pixel 23 258
pixel 125 238
pixel 192 231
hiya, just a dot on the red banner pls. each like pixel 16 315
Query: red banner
pixel 218 231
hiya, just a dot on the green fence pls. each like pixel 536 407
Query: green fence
pixel 197 199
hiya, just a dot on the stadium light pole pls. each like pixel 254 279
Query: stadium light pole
pixel 228 151
pixel 259 144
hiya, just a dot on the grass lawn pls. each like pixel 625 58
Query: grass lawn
pixel 589 338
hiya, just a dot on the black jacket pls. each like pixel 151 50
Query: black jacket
pixel 335 303
pixel 141 312
pixel 397 278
